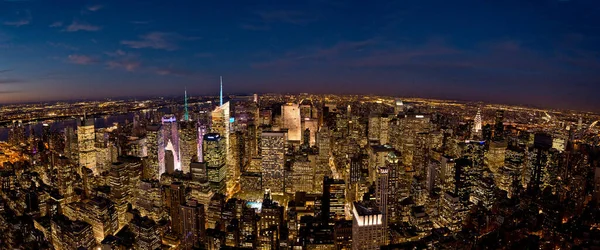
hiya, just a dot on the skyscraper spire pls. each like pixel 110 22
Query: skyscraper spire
pixel 477 121
pixel 186 116
pixel 221 93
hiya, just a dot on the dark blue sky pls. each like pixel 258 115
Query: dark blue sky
pixel 539 52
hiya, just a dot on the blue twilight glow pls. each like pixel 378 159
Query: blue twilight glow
pixel 513 51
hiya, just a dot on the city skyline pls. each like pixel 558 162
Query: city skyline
pixel 297 172
pixel 542 54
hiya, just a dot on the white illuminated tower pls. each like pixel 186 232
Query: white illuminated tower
pixel 170 136
pixel 477 125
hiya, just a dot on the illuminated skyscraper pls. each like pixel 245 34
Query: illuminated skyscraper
pixel 175 197
pixel 147 233
pixel 71 151
pixel 462 183
pixel 87 149
pixel 69 234
pixel 300 177
pixel 367 225
pixel 313 126
pixel 149 199
pixel 170 137
pixel 123 178
pixel 273 160
pixel 477 123
pixel 452 211
pixel 201 132
pixel 334 199
pixel 99 212
pixel 398 106
pixel 433 176
pixel 193 220
pixel 169 162
pixel 65 173
pixel 499 125
pixel 539 161
pixel 495 156
pixel 379 128
pixel 290 115
pixel 221 124
pixel 271 222
pixel 188 134
pixel 397 185
pixel 322 169
pixel 382 191
pixel 374 129
pixel 406 131
pixel 483 190
pixel 420 157
pixel 214 157
pixel 154 142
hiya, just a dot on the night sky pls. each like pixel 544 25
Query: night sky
pixel 539 52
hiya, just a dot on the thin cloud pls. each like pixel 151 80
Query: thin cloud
pixel 173 72
pixel 10 81
pixel 56 24
pixel 5 70
pixel 96 7
pixel 123 60
pixel 128 65
pixel 320 55
pixel 81 59
pixel 158 40
pixel 22 21
pixel 18 23
pixel 116 53
pixel 62 46
pixel 77 26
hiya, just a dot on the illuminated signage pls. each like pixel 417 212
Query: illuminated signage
pixel 170 119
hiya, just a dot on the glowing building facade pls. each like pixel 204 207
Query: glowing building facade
pixel 273 160
pixel 367 226
pixel 170 138
pixel 290 115
pixel 86 143
pixel 153 143
pixel 214 158
pixel 477 122
pixel 220 119
pixel 189 144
